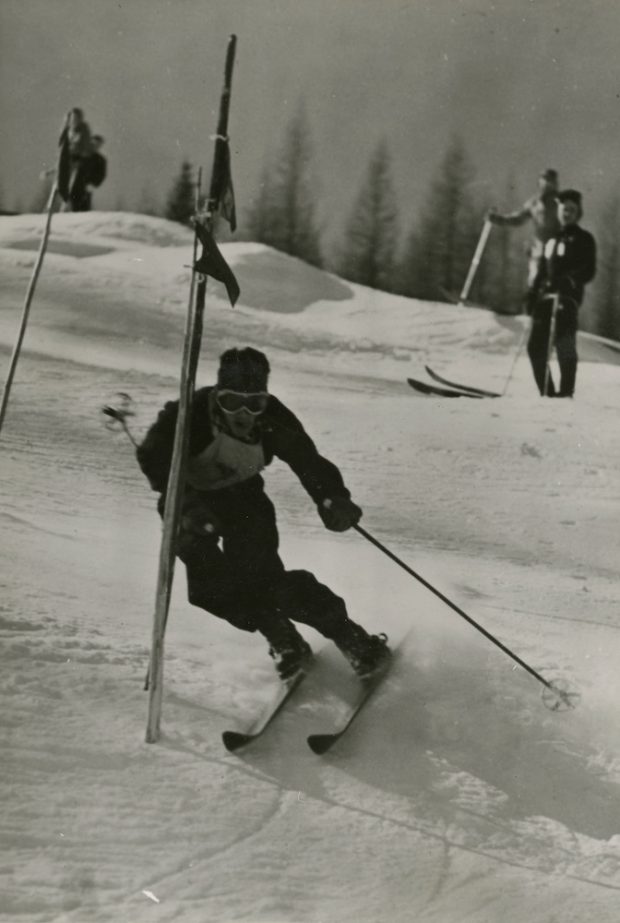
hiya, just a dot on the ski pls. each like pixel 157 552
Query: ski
pixel 482 392
pixel 233 740
pixel 425 388
pixel 321 743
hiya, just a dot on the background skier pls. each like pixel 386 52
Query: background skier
pixel 80 150
pixel 94 169
pixel 542 210
pixel 568 263
pixel 228 537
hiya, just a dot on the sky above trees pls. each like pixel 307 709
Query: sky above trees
pixel 527 84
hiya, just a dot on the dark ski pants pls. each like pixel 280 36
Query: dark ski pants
pixel 79 196
pixel 565 346
pixel 242 579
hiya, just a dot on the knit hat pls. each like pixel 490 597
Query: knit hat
pixel 244 370
pixel 549 174
pixel 571 195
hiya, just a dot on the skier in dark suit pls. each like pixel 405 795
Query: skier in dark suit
pixel 228 538
pixel 80 149
pixel 95 169
pixel 568 264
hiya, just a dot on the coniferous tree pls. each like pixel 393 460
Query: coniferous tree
pixel 180 205
pixel 283 213
pixel 602 308
pixel 440 248
pixel 501 283
pixel 261 214
pixel 366 254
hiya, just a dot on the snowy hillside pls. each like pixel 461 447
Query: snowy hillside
pixel 458 797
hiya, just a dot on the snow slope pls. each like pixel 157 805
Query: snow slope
pixel 459 796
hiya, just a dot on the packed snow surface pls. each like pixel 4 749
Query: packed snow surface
pixel 457 797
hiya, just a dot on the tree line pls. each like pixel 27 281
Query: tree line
pixel 428 259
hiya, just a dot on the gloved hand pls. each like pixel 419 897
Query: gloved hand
pixel 198 519
pixel 339 514
pixel 491 215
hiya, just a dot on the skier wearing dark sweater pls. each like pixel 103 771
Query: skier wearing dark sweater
pixel 80 150
pixel 94 172
pixel 568 264
pixel 228 537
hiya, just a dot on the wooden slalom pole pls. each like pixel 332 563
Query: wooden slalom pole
pixel 26 311
pixel 176 477
pixel 482 242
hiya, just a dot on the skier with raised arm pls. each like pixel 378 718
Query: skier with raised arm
pixel 541 210
pixel 228 537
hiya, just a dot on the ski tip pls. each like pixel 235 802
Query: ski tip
pixel 233 740
pixel 320 743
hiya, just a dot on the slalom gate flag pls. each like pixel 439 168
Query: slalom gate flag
pixel 222 182
pixel 227 195
pixel 63 172
pixel 212 263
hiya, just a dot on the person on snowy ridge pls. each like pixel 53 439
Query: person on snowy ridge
pixel 228 537
pixel 542 210
pixel 80 150
pixel 95 170
pixel 568 264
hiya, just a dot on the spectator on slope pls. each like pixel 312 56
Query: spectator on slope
pixel 94 171
pixel 80 150
pixel 228 537
pixel 542 210
pixel 567 265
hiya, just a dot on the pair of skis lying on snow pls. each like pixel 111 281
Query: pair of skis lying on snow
pixel 318 743
pixel 447 388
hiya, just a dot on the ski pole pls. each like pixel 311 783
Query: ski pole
pixel 563 695
pixel 27 304
pixel 482 242
pixel 552 321
pixel 118 413
pixel 522 339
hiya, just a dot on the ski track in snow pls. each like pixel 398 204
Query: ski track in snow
pixel 457 797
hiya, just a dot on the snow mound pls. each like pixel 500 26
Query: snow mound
pixel 122 226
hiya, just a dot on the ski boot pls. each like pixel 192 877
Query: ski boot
pixel 367 654
pixel 289 651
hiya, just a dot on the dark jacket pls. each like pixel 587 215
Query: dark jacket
pixel 280 433
pixel 568 264
pixel 95 169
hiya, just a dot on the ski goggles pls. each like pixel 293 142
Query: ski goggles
pixel 235 401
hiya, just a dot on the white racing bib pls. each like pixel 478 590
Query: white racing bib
pixel 224 462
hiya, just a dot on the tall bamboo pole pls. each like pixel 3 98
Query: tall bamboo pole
pixel 174 490
pixel 26 311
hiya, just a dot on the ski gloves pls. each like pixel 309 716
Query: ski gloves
pixel 198 519
pixel 339 514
